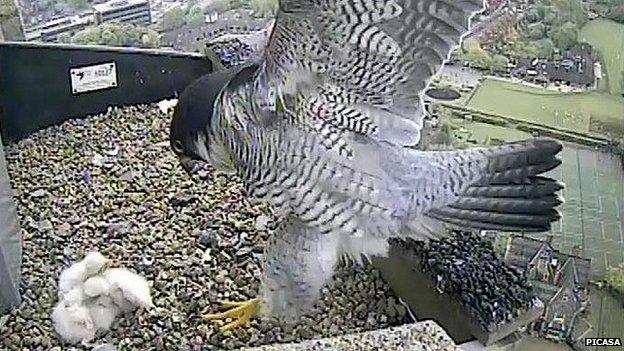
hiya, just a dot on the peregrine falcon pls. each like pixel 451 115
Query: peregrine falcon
pixel 321 127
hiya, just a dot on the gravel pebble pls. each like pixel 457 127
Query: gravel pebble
pixel 425 336
pixel 110 183
pixel 466 267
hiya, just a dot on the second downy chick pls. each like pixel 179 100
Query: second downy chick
pixel 127 289
pixel 77 273
pixel 103 311
pixel 96 286
pixel 72 320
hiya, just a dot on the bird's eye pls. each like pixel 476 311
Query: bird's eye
pixel 177 147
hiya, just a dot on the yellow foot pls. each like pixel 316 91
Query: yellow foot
pixel 241 312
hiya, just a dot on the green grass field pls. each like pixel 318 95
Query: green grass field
pixel 608 38
pixel 573 111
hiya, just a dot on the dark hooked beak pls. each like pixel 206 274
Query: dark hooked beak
pixel 190 165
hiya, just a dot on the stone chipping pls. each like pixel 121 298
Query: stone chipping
pixel 109 182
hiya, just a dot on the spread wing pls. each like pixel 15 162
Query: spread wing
pixel 348 67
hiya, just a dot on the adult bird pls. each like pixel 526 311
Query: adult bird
pixel 319 128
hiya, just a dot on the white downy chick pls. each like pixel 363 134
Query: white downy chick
pixel 78 272
pixel 75 296
pixel 96 286
pixel 103 311
pixel 101 306
pixel 72 321
pixel 128 290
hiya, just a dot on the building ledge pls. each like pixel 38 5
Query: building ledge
pixel 425 335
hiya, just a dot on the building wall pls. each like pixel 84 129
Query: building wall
pixel 133 13
pixel 50 31
pixel 138 14
pixel 35 95
pixel 11 28
pixel 10 243
pixel 52 35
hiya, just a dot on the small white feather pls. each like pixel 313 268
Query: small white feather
pixel 167 105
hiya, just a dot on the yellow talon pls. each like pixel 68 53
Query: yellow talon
pixel 231 304
pixel 241 312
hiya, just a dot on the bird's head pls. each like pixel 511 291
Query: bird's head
pixel 184 137
pixel 95 262
pixel 190 124
pixel 190 132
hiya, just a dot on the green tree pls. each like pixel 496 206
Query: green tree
pixel 116 34
pixel 565 36
pixel 551 15
pixel 480 59
pixel 109 37
pixel 571 11
pixel 545 48
pixel 150 39
pixel 615 277
pixel 236 4
pixel 128 36
pixel 264 8
pixel 533 14
pixel 616 13
pixel 87 36
pixel 526 50
pixel 173 19
pixel 536 30
pixel 195 17
pixel 64 38
pixel 8 8
pixel 473 53
pixel 499 63
pixel 471 44
pixel 218 6
pixel 538 10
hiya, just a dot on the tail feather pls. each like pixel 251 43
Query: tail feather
pixel 519 175
pixel 468 224
pixel 507 219
pixel 536 205
pixel 534 187
pixel 537 152
pixel 510 195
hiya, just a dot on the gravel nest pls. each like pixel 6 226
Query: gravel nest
pixel 422 336
pixel 466 267
pixel 109 182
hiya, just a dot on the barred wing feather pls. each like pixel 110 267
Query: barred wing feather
pixel 359 66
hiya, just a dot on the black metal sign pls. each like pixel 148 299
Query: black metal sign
pixel 46 84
